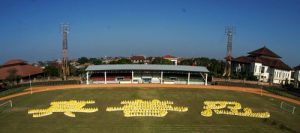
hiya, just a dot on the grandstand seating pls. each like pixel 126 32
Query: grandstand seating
pixel 174 78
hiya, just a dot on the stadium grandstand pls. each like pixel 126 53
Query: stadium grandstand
pixel 146 73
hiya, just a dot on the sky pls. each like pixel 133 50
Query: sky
pixel 30 29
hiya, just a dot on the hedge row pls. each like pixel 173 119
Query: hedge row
pixel 5 92
pixel 47 83
pixel 224 83
pixel 281 91
pixel 278 90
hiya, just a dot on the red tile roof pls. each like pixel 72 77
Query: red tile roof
pixel 274 63
pixel 22 69
pixel 264 51
pixel 297 67
pixel 137 57
pixel 169 56
pixel 13 62
pixel 243 59
pixel 264 56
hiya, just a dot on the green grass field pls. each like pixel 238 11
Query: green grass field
pixel 16 119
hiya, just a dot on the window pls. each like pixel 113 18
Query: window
pixel 262 70
pixel 280 74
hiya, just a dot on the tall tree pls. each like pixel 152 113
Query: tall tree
pixel 12 76
pixel 160 60
pixel 95 61
pixel 188 62
pixel 124 61
pixel 51 71
pixel 82 60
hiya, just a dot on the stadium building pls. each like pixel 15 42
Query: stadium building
pixel 146 73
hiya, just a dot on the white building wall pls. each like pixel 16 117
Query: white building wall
pixel 280 76
pixel 261 72
pixel 256 69
pixel 174 61
pixel 297 78
pixel 267 74
pixel 298 81
pixel 298 75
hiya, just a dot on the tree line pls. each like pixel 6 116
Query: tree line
pixel 53 69
pixel 216 67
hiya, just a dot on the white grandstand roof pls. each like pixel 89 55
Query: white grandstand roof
pixel 152 67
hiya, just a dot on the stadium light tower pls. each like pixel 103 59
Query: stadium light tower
pixel 229 31
pixel 65 29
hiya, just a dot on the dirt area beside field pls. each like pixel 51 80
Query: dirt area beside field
pixel 97 86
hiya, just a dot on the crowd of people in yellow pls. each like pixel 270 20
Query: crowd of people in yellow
pixel 150 108
pixel 67 107
pixel 230 108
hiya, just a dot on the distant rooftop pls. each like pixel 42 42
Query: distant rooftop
pixel 20 67
pixel 297 67
pixel 137 57
pixel 14 62
pixel 169 56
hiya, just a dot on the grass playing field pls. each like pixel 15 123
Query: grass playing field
pixel 16 119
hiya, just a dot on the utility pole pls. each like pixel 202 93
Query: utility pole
pixel 65 29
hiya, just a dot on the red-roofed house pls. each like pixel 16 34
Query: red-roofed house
pixel 139 59
pixel 171 58
pixel 265 65
pixel 20 68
